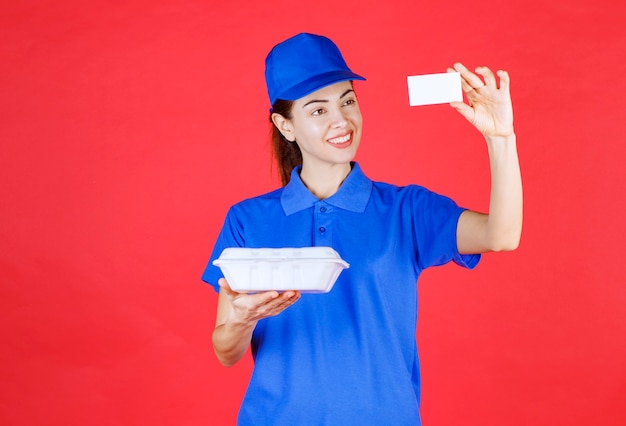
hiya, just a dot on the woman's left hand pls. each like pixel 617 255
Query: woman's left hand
pixel 490 109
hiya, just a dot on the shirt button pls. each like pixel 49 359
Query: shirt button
pixel 323 209
pixel 322 229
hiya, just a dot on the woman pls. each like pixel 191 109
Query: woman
pixel 350 356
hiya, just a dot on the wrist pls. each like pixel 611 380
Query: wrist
pixel 500 139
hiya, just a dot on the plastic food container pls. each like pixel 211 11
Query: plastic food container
pixel 308 269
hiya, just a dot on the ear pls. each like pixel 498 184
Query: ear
pixel 284 126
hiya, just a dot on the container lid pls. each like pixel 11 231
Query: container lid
pixel 284 254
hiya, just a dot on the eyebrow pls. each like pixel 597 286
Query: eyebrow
pixel 344 94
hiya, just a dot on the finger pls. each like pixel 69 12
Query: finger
pixel 288 297
pixel 472 81
pixel 265 297
pixel 223 283
pixel 286 300
pixel 226 287
pixel 505 80
pixel 277 305
pixel 464 84
pixel 488 76
pixel 452 70
pixel 464 109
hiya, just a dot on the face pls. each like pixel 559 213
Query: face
pixel 326 125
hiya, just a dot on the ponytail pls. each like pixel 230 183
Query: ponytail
pixel 286 153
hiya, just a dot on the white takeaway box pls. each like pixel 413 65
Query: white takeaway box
pixel 307 269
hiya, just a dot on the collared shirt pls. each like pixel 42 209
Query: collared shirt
pixel 348 356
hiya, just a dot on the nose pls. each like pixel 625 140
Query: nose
pixel 339 120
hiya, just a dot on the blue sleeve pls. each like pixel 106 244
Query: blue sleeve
pixel 435 223
pixel 231 235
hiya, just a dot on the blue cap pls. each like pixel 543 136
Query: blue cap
pixel 303 64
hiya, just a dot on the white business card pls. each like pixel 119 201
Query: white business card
pixel 430 89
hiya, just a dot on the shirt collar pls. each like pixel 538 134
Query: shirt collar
pixel 353 194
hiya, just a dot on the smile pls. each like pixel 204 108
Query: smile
pixel 341 139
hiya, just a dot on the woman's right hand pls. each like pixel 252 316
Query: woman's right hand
pixel 238 314
pixel 250 308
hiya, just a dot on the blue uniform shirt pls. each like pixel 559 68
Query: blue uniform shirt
pixel 347 357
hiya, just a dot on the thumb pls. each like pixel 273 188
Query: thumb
pixel 464 109
pixel 225 286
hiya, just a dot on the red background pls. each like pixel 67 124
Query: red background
pixel 128 128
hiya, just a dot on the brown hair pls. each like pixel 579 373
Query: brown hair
pixel 287 153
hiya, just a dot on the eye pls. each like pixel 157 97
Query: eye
pixel 350 101
pixel 318 111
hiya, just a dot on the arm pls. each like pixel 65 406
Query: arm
pixel 238 314
pixel 490 111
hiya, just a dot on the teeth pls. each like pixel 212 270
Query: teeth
pixel 342 139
